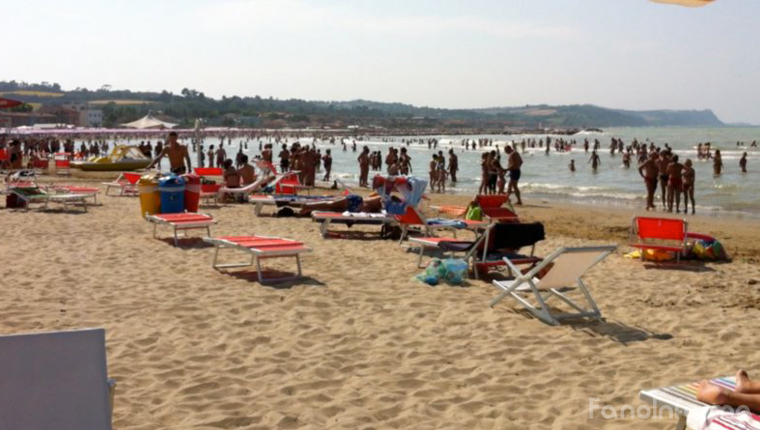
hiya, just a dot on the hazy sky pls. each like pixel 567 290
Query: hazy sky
pixel 456 54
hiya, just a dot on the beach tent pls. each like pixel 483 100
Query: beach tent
pixel 8 103
pixel 149 122
pixel 689 3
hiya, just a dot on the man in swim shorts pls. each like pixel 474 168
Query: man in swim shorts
pixel 179 158
pixel 514 164
pixel 648 170
pixel 675 184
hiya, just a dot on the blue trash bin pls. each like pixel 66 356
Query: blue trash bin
pixel 172 190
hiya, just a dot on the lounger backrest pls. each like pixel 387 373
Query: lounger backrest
pixel 5 155
pixel 491 200
pixel 288 184
pixel 570 264
pixel 54 380
pixel 515 235
pixel 410 217
pixel 660 228
pixel 62 163
pixel 208 171
pixel 132 178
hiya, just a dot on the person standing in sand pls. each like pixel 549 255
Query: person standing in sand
pixel 688 187
pixel 514 164
pixel 648 170
pixel 675 184
pixel 179 158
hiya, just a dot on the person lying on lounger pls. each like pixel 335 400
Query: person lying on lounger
pixel 747 393
pixel 350 203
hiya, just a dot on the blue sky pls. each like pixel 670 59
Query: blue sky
pixel 631 54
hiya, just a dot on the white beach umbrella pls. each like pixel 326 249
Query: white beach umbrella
pixel 689 3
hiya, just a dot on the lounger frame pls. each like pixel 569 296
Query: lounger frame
pixel 326 221
pixel 682 398
pixel 179 225
pixel 257 255
pixel 541 310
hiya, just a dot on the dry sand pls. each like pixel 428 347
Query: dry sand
pixel 359 344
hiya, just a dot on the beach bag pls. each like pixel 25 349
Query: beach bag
pixel 450 271
pixel 709 250
pixel 474 213
pixel 390 232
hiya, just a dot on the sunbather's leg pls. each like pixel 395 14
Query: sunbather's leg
pixel 340 205
pixel 746 385
pixel 716 395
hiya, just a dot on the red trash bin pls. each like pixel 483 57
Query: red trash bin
pixel 192 192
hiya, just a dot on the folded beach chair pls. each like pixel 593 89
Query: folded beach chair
pixel 488 250
pixel 349 218
pixel 565 268
pixel 259 247
pixel 36 195
pixel 126 183
pixel 56 380
pixel 681 400
pixel 209 191
pixel 181 221
pixel 661 234
pixel 280 200
pixel 413 218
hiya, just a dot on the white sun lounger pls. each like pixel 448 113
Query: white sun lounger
pixel 259 247
pixel 568 266
pixel 181 221
pixel 126 183
pixel 327 218
pixel 261 200
pixel 681 399
pixel 36 195
pixel 56 380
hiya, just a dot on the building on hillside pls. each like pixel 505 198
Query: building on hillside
pixel 61 114
pixel 19 119
pixel 90 118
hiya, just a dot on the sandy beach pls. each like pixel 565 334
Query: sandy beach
pixel 358 343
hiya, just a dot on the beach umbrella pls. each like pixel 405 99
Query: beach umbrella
pixel 8 103
pixel 689 3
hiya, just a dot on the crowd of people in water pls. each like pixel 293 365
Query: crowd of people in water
pixel 659 167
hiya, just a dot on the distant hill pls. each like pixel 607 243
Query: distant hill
pixel 121 106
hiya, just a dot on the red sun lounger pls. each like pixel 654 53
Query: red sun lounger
pixel 664 234
pixel 126 183
pixel 259 247
pixel 183 221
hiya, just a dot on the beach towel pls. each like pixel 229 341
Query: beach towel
pixel 714 418
pixel 447 222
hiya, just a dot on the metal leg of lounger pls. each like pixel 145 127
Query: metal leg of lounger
pixel 155 225
pixel 258 269
pixel 323 228
pixel 176 239
pixel 259 207
pixel 216 256
pixel 681 422
pixel 419 261
pixel 298 264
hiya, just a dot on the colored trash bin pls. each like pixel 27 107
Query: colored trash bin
pixel 172 194
pixel 192 192
pixel 150 196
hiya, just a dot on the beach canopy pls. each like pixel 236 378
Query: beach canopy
pixel 689 3
pixel 8 103
pixel 149 122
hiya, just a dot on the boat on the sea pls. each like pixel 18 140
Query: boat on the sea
pixel 121 158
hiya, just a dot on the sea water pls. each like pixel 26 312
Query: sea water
pixel 547 177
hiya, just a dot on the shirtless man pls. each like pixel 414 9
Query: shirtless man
pixel 247 172
pixel 284 158
pixel 662 167
pixel 648 170
pixel 675 184
pixel 266 154
pixel 453 165
pixel 221 155
pixel 717 163
pixel 404 162
pixel 364 167
pixel 327 162
pixel 743 163
pixel 210 156
pixel 594 160
pixel 688 187
pixel 179 158
pixel 514 164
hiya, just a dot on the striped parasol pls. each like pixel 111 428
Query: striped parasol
pixel 8 103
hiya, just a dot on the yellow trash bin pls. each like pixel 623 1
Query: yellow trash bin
pixel 150 196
